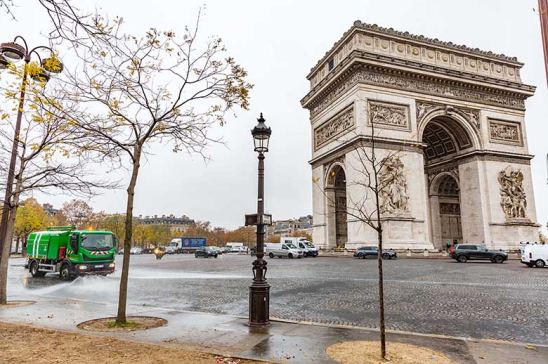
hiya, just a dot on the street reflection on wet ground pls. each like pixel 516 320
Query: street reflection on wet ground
pixel 481 300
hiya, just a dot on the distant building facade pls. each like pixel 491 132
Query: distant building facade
pixel 286 227
pixel 179 224
pixel 449 122
pixel 50 210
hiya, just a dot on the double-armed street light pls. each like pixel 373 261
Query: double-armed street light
pixel 11 52
pixel 259 291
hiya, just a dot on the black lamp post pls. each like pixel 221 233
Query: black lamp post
pixel 13 51
pixel 259 291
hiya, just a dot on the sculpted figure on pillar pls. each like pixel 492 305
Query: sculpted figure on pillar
pixel 512 196
pixel 393 186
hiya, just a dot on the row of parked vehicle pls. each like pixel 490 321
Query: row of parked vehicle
pixel 291 247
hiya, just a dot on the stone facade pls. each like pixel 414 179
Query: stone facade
pixel 448 123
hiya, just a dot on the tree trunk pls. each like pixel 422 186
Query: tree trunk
pixel 17 244
pixel 8 239
pixel 381 294
pixel 376 171
pixel 122 298
pixel 24 245
pixel 4 261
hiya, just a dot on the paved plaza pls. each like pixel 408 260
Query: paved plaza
pixel 434 296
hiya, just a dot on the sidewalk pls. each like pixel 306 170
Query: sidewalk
pixel 281 342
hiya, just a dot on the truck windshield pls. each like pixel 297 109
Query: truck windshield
pixel 97 241
pixel 309 244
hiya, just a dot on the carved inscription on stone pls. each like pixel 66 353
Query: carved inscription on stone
pixel 393 186
pixel 512 196
pixel 504 132
pixel 336 126
pixel 386 114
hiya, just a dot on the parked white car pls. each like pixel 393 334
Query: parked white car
pixel 534 255
pixel 281 250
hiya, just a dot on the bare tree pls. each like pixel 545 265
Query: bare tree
pixel 131 92
pixel 379 190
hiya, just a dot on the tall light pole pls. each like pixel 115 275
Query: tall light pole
pixel 259 291
pixel 15 52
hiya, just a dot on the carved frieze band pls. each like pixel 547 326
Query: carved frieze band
pixel 428 86
pixel 426 108
pixel 505 132
pixel 334 127
pixel 383 114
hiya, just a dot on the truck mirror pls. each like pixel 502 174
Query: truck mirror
pixel 74 243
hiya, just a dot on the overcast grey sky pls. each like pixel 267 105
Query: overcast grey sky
pixel 278 42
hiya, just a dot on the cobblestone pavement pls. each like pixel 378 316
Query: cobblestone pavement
pixel 480 300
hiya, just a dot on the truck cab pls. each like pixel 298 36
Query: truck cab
pixel 71 252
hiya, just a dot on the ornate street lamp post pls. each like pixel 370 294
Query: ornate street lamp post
pixel 15 52
pixel 259 291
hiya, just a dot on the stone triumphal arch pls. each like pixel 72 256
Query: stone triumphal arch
pixel 449 118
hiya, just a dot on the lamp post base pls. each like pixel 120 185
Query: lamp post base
pixel 259 303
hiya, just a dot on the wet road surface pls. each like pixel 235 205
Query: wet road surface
pixel 480 300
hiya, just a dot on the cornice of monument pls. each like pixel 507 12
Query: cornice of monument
pixel 413 38
pixel 339 80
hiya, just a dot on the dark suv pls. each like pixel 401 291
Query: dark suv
pixel 464 252
pixel 206 252
pixel 372 251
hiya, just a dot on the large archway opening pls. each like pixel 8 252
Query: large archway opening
pixel 449 207
pixel 337 213
pixel 444 139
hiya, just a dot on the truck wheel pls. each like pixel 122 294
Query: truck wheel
pixel 64 273
pixel 290 256
pixel 215 256
pixel 34 270
pixel 271 255
pixel 462 258
pixel 539 263
pixel 498 259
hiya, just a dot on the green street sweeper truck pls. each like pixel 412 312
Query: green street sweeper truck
pixel 70 252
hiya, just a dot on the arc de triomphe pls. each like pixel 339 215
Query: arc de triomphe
pixel 452 120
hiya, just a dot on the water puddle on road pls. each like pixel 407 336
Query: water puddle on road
pixel 172 274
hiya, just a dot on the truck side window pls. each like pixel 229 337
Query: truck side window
pixel 285 247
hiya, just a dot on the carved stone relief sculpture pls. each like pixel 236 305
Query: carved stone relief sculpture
pixel 504 132
pixel 333 128
pixel 393 187
pixel 391 115
pixel 512 195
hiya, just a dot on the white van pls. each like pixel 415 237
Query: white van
pixel 308 249
pixel 283 250
pixel 175 246
pixel 534 255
